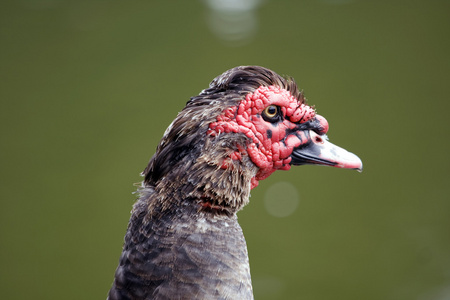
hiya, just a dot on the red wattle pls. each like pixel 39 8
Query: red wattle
pixel 323 124
pixel 270 148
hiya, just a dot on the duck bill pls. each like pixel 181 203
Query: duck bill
pixel 319 151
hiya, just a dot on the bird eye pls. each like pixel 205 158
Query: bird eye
pixel 270 113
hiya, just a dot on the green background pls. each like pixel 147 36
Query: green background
pixel 88 88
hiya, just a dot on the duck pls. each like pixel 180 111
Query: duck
pixel 183 239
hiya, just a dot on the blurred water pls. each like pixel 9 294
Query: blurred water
pixel 88 87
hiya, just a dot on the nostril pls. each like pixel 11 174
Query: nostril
pixel 319 139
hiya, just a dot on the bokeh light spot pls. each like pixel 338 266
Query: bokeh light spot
pixel 233 21
pixel 281 199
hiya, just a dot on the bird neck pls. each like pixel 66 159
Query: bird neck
pixel 213 181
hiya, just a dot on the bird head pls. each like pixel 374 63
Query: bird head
pixel 249 123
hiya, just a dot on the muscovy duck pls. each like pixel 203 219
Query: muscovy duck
pixel 183 239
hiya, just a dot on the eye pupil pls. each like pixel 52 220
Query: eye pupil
pixel 272 110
